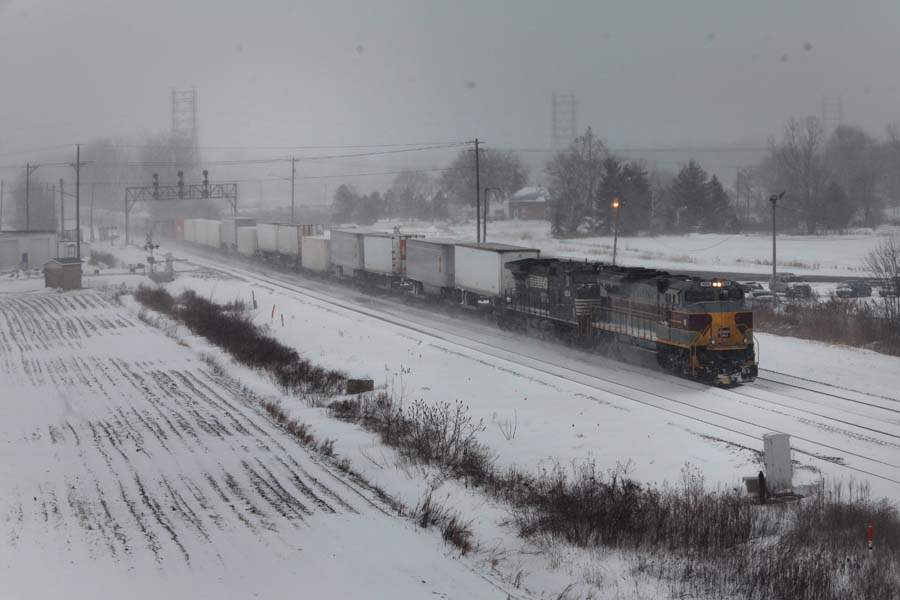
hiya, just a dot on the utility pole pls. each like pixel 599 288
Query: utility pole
pixel 93 185
pixel 28 171
pixel 293 174
pixel 62 210
pixel 774 200
pixel 78 200
pixel 1 205
pixel 477 194
pixel 615 205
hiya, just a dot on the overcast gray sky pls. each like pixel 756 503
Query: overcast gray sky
pixel 274 72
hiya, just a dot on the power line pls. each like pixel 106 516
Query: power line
pixel 249 161
pixel 301 147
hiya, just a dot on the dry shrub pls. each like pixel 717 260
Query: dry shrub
pixel 835 320
pixel 227 326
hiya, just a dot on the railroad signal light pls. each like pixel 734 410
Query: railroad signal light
pixel 181 184
pixel 156 186
pixel 205 183
pixel 615 203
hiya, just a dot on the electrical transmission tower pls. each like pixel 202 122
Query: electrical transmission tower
pixel 832 113
pixel 564 127
pixel 185 116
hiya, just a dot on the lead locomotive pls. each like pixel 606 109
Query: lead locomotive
pixel 699 328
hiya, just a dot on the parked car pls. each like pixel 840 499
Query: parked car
pixel 752 287
pixel 798 291
pixel 762 298
pixel 853 289
pixel 784 280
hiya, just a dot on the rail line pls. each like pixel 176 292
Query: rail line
pixel 828 385
pixel 566 373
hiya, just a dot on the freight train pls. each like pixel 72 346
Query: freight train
pixel 698 328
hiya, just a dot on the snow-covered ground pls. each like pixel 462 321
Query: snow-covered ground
pixel 568 405
pixel 133 396
pixel 129 469
pixel 837 255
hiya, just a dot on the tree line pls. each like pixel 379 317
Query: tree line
pixel 831 182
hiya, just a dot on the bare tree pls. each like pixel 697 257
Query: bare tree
pixel 575 180
pixel 499 169
pixel 892 163
pixel 852 160
pixel 800 167
pixel 884 264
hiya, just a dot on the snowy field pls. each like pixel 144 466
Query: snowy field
pixel 829 255
pixel 136 472
pixel 133 462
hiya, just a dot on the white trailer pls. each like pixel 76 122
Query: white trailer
pixel 347 251
pixel 429 262
pixel 213 236
pixel 228 229
pixel 385 253
pixel 247 240
pixel 288 238
pixel 189 231
pixel 315 253
pixel 481 268
pixel 380 254
pixel 200 232
pixel 267 235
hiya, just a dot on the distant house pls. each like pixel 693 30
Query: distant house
pixel 529 204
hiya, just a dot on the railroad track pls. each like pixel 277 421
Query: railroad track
pixel 735 425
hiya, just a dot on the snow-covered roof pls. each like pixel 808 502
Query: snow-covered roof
pixel 530 194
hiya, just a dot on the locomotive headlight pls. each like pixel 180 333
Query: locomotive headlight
pixel 717 284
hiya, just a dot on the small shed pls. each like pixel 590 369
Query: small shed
pixel 63 273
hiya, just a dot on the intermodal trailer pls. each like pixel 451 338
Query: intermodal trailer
pixel 267 238
pixel 480 269
pixel 429 265
pixel 315 253
pixel 247 243
pixel 385 253
pixel 347 252
pixel 290 235
pixel 229 225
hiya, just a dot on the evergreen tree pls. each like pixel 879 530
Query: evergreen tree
pixel 368 209
pixel 718 215
pixel 635 197
pixel 689 196
pixel 837 210
pixel 344 205
pixel 611 187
